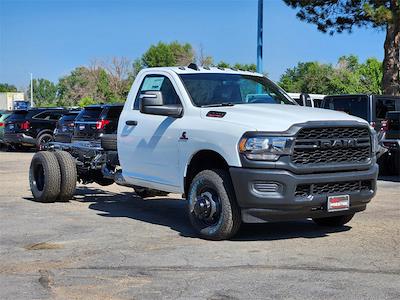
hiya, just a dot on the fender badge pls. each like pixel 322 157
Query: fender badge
pixel 183 136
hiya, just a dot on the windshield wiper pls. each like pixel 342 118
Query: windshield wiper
pixel 219 104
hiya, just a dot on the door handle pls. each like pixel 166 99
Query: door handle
pixel 131 123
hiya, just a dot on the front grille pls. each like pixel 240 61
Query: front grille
pixel 332 145
pixel 305 190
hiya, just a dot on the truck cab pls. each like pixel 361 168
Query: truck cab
pixel 278 160
pixel 236 147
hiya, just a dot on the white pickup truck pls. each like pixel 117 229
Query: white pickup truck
pixel 233 143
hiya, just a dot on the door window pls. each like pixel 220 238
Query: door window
pixel 56 115
pixel 43 116
pixel 114 112
pixel 158 83
pixel 383 106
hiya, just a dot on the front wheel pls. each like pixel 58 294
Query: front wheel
pixel 334 221
pixel 212 206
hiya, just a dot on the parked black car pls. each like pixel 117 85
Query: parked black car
pixel 33 127
pixel 372 108
pixel 96 120
pixel 65 127
pixel 391 140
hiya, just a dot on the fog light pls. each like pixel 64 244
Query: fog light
pixel 266 187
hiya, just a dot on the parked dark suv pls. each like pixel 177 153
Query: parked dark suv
pixel 391 140
pixel 372 108
pixel 96 120
pixel 33 127
pixel 65 127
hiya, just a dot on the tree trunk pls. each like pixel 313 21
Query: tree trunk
pixel 391 62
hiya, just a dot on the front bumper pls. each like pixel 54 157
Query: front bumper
pixel 19 138
pixel 283 203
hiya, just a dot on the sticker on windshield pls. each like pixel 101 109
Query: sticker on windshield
pixel 152 83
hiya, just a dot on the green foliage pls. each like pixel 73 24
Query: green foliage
pixel 102 84
pixel 347 77
pixel 223 64
pixel 44 92
pixel 85 101
pixel 74 87
pixel 167 55
pixel 5 87
pixel 244 67
pixel 338 16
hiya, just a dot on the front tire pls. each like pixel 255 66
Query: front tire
pixel 45 177
pixel 212 206
pixel 334 221
pixel 68 175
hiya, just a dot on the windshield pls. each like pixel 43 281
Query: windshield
pixel 209 89
pixel 18 116
pixel 355 106
pixel 89 114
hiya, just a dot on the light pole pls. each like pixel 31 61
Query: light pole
pixel 260 36
pixel 31 90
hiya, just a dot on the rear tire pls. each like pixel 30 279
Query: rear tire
pixel 43 139
pixel 68 175
pixel 45 177
pixel 222 219
pixel 334 221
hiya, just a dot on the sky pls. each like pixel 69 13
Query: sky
pixel 49 38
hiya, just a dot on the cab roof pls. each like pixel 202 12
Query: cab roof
pixel 194 69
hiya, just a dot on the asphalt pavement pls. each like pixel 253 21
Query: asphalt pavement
pixel 109 244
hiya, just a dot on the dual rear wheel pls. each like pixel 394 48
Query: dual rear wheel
pixel 52 176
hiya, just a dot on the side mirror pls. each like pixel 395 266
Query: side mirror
pixel 152 103
pixel 304 99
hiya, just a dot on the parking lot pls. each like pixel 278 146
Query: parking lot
pixel 109 244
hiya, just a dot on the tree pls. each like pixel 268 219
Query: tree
pixel 245 67
pixel 44 92
pixel 75 86
pixel 121 73
pixel 239 66
pixel 5 87
pixel 85 101
pixel 168 55
pixel 101 81
pixel 308 77
pixel 347 77
pixel 335 16
pixel 204 59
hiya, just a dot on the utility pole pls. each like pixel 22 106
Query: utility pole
pixel 260 37
pixel 31 90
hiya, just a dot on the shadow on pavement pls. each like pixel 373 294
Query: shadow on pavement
pixel 389 178
pixel 172 213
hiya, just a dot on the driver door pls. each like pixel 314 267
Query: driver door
pixel 150 156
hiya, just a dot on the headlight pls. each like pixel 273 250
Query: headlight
pixel 265 147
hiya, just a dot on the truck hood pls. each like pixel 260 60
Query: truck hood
pixel 275 117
